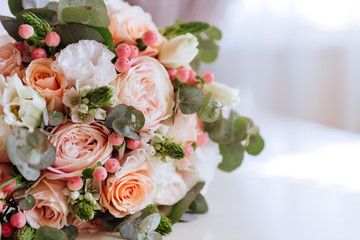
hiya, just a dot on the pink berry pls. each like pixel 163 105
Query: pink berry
pixel 18 220
pixel 149 38
pixel 21 47
pixel 134 52
pixel 52 39
pixel 201 140
pixel 38 53
pixel 132 144
pixel 7 230
pixel 123 50
pixel 9 187
pixel 75 183
pixel 115 139
pixel 112 165
pixel 182 75
pixel 182 164
pixel 192 77
pixel 208 77
pixel 172 72
pixel 197 85
pixel 189 150
pixel 100 174
pixel 26 31
pixel 122 64
pixel 1 205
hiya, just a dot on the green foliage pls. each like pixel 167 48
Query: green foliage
pixel 182 28
pixel 165 226
pixel 40 25
pixel 15 6
pixel 84 210
pixel 11 27
pixel 150 223
pixel 48 233
pixel 90 16
pixel 233 155
pixel 140 44
pixel 213 33
pixel 27 202
pixel 199 205
pixel 190 99
pixel 106 35
pixel 256 145
pixel 55 118
pixel 210 110
pixel 30 152
pixel 183 205
pixel 25 233
pixel 141 228
pixel 52 6
pixel 208 50
pixel 70 231
pixel 170 149
pixel 99 97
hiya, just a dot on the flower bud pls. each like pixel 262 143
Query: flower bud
pixel 25 233
pixel 84 211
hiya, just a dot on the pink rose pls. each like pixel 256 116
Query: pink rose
pixel 186 128
pixel 90 226
pixel 51 208
pixel 5 171
pixel 127 23
pixel 78 146
pixel 128 191
pixel 10 57
pixel 147 87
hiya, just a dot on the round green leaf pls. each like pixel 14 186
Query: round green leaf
pixel 28 173
pixel 240 129
pixel 232 154
pixel 208 50
pixel 199 205
pixel 11 27
pixel 214 33
pixel 118 111
pixel 190 99
pixel 55 118
pixel 149 236
pixel 86 15
pixel 136 119
pixel 47 158
pixel 150 223
pixel 48 233
pixel 70 231
pixel 129 231
pixel 27 203
pixel 210 110
pixel 256 145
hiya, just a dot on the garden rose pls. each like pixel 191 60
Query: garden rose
pixel 5 131
pixel 5 171
pixel 128 191
pixel 10 57
pixel 127 23
pixel 179 51
pixel 51 208
pixel 147 87
pixel 51 85
pixel 78 146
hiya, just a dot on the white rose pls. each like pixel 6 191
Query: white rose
pixel 5 131
pixel 23 106
pixel 179 51
pixel 226 95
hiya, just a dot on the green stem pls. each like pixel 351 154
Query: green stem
pixel 10 181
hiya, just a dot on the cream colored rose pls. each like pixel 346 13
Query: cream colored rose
pixel 179 51
pixel 51 85
pixel 78 146
pixel 5 131
pixel 51 208
pixel 227 96
pixel 5 171
pixel 128 191
pixel 127 23
pixel 10 57
pixel 185 128
pixel 147 87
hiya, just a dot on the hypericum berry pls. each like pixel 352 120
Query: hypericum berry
pixel 122 64
pixel 192 77
pixel 172 72
pixel 26 31
pixel 182 75
pixel 38 53
pixel 18 220
pixel 134 52
pixel 208 77
pixel 7 230
pixel 100 174
pixel 115 139
pixel 1 205
pixel 52 39
pixel 75 183
pixel 149 38
pixel 112 165
pixel 21 47
pixel 9 187
pixel 132 144
pixel 201 140
pixel 182 164
pixel 189 150
pixel 123 50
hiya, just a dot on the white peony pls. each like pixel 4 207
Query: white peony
pixel 23 106
pixel 179 51
pixel 86 63
pixel 226 95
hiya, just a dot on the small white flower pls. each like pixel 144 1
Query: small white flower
pixel 72 98
pixel 79 117
pixel 226 95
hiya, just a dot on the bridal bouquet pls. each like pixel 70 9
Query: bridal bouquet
pixel 104 122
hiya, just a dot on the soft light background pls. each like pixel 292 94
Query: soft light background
pixel 296 63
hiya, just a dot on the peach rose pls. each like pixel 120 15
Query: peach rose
pixel 128 191
pixel 186 128
pixel 10 57
pixel 51 85
pixel 51 208
pixel 147 87
pixel 78 146
pixel 127 23
pixel 5 131
pixel 90 226
pixel 5 171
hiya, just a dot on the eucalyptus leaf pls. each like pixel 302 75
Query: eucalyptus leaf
pixel 208 50
pixel 195 64
pixel 149 236
pixel 47 158
pixel 232 154
pixel 29 173
pixel 256 145
pixel 37 140
pixel 136 119
pixel 150 223
pixel 71 232
pixel 240 131
pixel 15 6
pixel 48 233
pixel 107 36
pixel 190 98
pixel 55 118
pixel 210 110
pixel 199 205
pixel 112 224
pixel 118 111
pixel 214 33
pixel 76 3
pixel 129 231
pixel 27 203
pixel 86 15
pixel 221 131
pixel 11 26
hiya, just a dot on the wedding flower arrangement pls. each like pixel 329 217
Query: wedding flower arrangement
pixel 105 123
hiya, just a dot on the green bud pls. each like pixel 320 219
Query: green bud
pixel 173 150
pixel 100 97
pixel 88 197
pixel 41 27
pixel 165 226
pixel 84 211
pixel 93 202
pixel 25 233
